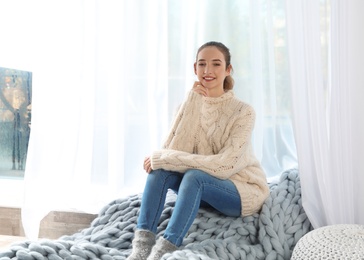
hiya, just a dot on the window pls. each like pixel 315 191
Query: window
pixel 15 119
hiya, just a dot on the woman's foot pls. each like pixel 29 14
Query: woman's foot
pixel 162 247
pixel 143 242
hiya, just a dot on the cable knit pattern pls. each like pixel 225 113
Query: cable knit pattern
pixel 214 135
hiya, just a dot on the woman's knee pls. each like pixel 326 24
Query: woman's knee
pixel 164 178
pixel 155 174
pixel 194 175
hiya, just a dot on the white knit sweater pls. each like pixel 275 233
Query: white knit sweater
pixel 214 135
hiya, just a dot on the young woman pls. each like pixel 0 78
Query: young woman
pixel 207 159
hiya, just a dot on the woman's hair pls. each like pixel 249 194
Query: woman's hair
pixel 229 81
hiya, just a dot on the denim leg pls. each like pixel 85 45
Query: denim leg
pixel 197 185
pixel 154 196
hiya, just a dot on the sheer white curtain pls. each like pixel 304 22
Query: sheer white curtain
pixel 109 75
pixel 328 120
pixel 100 86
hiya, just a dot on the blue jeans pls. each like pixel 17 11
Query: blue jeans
pixel 193 188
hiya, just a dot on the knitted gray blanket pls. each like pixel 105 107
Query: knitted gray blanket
pixel 271 234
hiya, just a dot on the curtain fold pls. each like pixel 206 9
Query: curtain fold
pixel 308 101
pixel 347 95
pixel 326 117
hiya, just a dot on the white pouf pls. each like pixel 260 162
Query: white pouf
pixel 345 241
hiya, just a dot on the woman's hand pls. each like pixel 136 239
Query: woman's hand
pixel 147 164
pixel 199 88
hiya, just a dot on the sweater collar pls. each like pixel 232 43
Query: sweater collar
pixel 215 100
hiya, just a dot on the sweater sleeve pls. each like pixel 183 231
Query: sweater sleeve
pixel 177 119
pixel 233 157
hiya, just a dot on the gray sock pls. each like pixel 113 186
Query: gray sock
pixel 162 247
pixel 143 242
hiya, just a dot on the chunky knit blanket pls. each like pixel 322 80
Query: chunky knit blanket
pixel 271 234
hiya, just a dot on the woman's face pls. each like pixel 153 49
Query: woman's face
pixel 210 68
